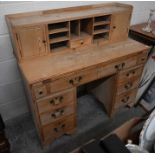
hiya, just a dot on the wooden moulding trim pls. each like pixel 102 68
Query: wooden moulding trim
pixel 46 12
pixel 75 8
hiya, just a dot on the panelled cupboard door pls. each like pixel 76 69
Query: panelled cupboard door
pixel 32 41
pixel 120 26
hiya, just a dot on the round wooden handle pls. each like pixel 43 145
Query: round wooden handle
pixel 125 99
pixel 128 85
pixel 57 113
pixel 76 80
pixel 56 100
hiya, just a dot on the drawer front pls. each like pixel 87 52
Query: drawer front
pixel 49 117
pixel 142 57
pixel 130 73
pixel 73 81
pixel 80 42
pixel 84 76
pixel 39 90
pixel 57 100
pixel 117 67
pixel 127 85
pixel 58 128
pixel 127 98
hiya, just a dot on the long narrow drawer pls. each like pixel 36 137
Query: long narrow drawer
pixel 58 128
pixel 49 86
pixel 126 98
pixel 57 100
pixel 79 78
pixel 80 42
pixel 127 85
pixel 71 80
pixel 117 66
pixel 130 73
pixel 49 117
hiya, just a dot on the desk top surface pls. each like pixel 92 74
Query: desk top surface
pixel 58 64
pixel 138 29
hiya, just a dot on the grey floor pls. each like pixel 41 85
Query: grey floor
pixel 92 123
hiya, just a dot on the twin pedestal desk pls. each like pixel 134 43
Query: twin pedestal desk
pixel 59 50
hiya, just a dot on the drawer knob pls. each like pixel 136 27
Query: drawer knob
pixel 128 85
pixel 125 99
pixel 142 59
pixel 123 65
pixel 119 67
pixel 82 42
pixel 76 80
pixel 130 73
pixel 59 128
pixel 57 113
pixel 40 92
pixel 56 100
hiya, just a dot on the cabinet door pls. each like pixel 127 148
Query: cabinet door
pixel 120 26
pixel 32 41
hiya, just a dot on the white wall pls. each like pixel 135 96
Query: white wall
pixel 12 97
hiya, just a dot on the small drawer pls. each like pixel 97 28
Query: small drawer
pixel 84 76
pixel 39 90
pixel 127 85
pixel 117 66
pixel 57 100
pixel 130 73
pixel 49 117
pixel 80 42
pixel 58 128
pixel 142 57
pixel 126 98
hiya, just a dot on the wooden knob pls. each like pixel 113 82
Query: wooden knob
pixel 128 85
pixel 125 99
pixel 44 41
pixel 40 93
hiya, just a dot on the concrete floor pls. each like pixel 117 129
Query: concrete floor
pixel 92 123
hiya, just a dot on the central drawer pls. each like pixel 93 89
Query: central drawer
pixel 70 80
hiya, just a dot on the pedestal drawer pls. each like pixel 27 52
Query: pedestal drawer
pixel 54 130
pixel 142 57
pixel 117 67
pixel 127 85
pixel 57 100
pixel 51 116
pixel 126 98
pixel 130 73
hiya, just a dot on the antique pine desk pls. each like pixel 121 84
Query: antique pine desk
pixel 59 50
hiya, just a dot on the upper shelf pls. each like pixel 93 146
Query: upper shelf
pixel 72 13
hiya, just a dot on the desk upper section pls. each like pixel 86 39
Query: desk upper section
pixel 57 65
pixel 71 13
pixel 41 33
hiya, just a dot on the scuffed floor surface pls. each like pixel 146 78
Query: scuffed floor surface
pixel 92 123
